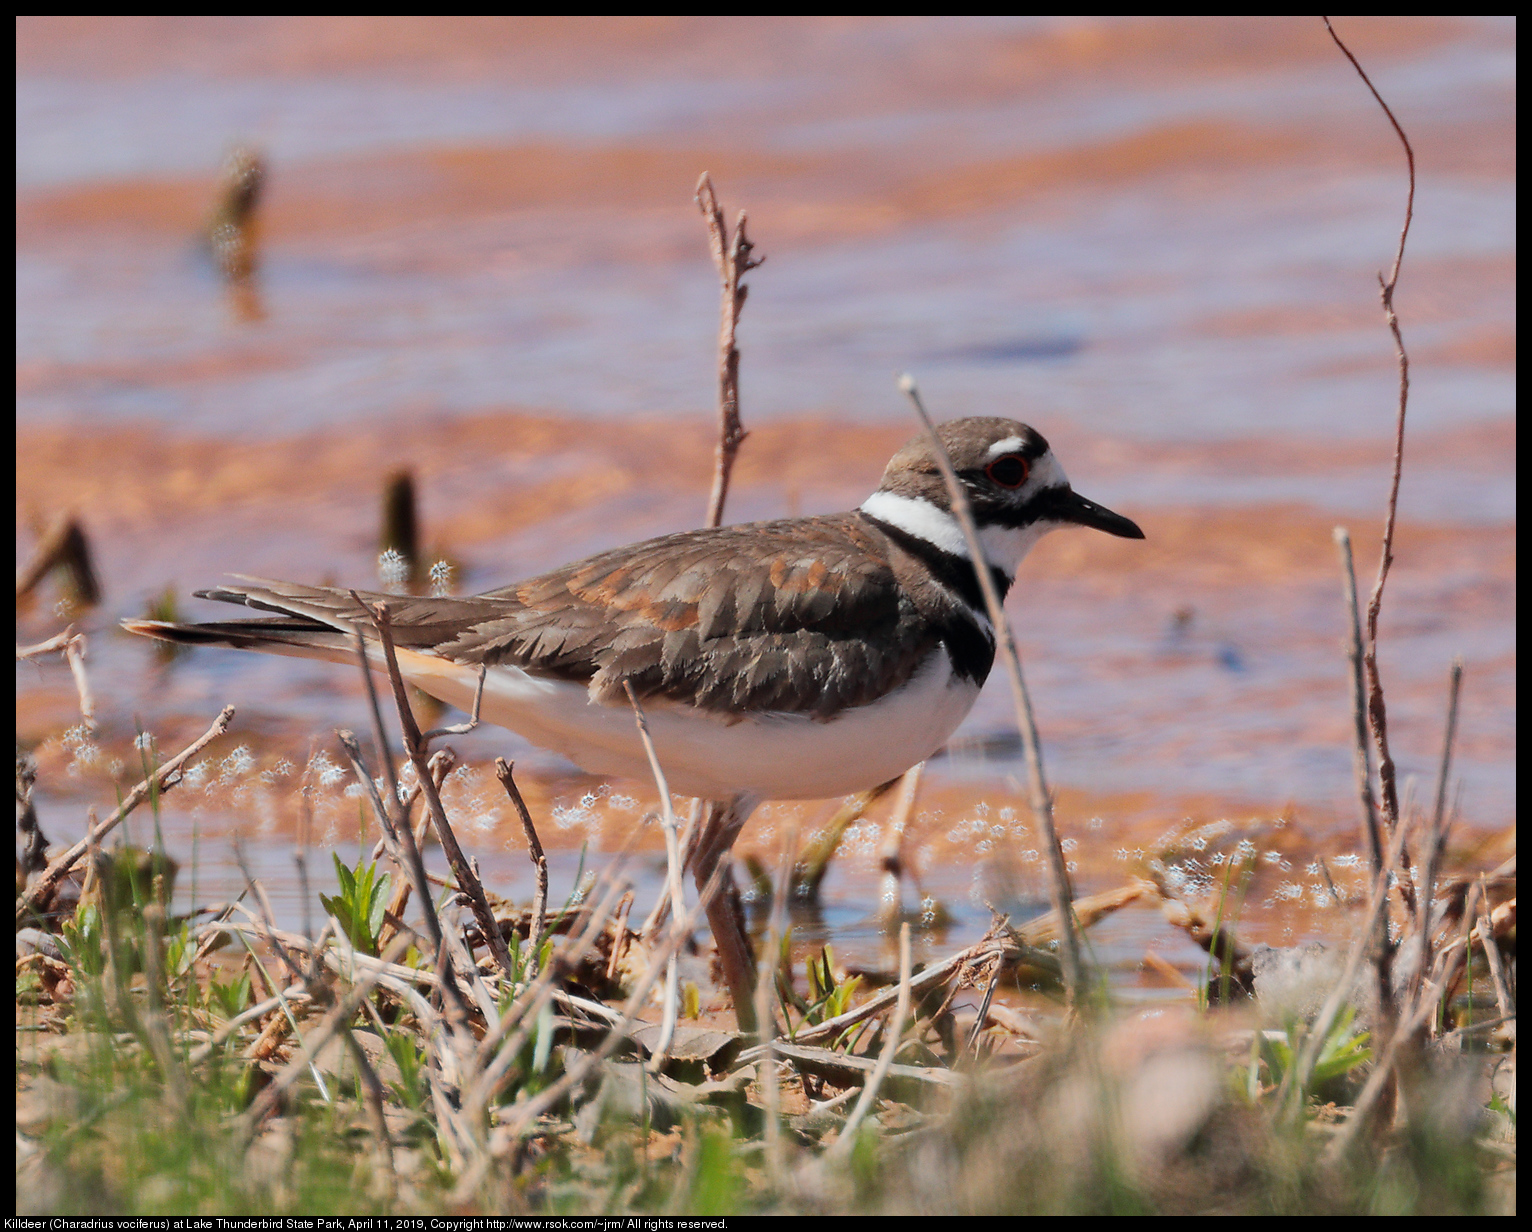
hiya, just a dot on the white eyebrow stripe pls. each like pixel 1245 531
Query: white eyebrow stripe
pixel 1010 444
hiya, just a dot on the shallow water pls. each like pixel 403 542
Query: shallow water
pixel 1155 240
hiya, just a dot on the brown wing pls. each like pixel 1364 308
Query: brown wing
pixel 801 616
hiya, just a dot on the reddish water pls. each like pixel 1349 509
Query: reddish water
pixel 1157 241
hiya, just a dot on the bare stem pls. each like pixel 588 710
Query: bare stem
pixel 1503 999
pixel 503 771
pixel 1375 709
pixel 531 1109
pixel 1361 760
pixel 673 866
pixel 467 879
pixel 733 260
pixel 161 780
pixel 74 651
pixel 869 1097
pixel 1437 838
pixel 72 646
pixel 462 729
pixel 1298 1074
pixel 1005 649
pixel 334 1021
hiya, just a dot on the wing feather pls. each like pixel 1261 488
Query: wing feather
pixel 804 616
pixel 746 618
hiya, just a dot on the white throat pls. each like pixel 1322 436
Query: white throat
pixel 1004 546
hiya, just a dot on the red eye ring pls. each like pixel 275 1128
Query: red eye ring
pixel 1011 471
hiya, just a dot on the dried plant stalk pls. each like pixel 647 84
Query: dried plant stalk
pixel 733 260
pixel 1005 649
pixel 161 780
pixel 1376 713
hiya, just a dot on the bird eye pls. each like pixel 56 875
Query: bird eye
pixel 1009 471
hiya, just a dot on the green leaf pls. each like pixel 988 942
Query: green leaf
pixel 544 1045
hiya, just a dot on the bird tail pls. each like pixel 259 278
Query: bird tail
pixel 300 638
pixel 314 622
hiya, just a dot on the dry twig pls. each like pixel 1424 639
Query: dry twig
pixel 843 1144
pixel 462 729
pixel 63 546
pixel 1383 954
pixel 161 780
pixel 336 1019
pixel 1376 712
pixel 1375 709
pixel 673 867
pixel 503 771
pixel 1361 759
pixel 72 646
pixel 1296 1079
pixel 1005 648
pixel 1503 1000
pixel 1437 838
pixel 733 260
pixel 467 879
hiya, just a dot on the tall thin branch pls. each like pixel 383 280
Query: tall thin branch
pixel 1361 761
pixel 467 880
pixel 504 772
pixel 1376 713
pixel 1437 838
pixel 673 867
pixel 1005 649
pixel 733 260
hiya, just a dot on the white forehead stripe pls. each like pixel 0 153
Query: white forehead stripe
pixel 1011 444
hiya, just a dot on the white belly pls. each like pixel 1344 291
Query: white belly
pixel 774 756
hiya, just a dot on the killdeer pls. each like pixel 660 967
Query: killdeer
pixel 795 659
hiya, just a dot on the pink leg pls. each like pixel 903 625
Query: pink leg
pixel 725 915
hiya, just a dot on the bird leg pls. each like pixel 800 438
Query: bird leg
pixel 725 914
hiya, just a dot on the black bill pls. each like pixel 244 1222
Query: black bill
pixel 1067 505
